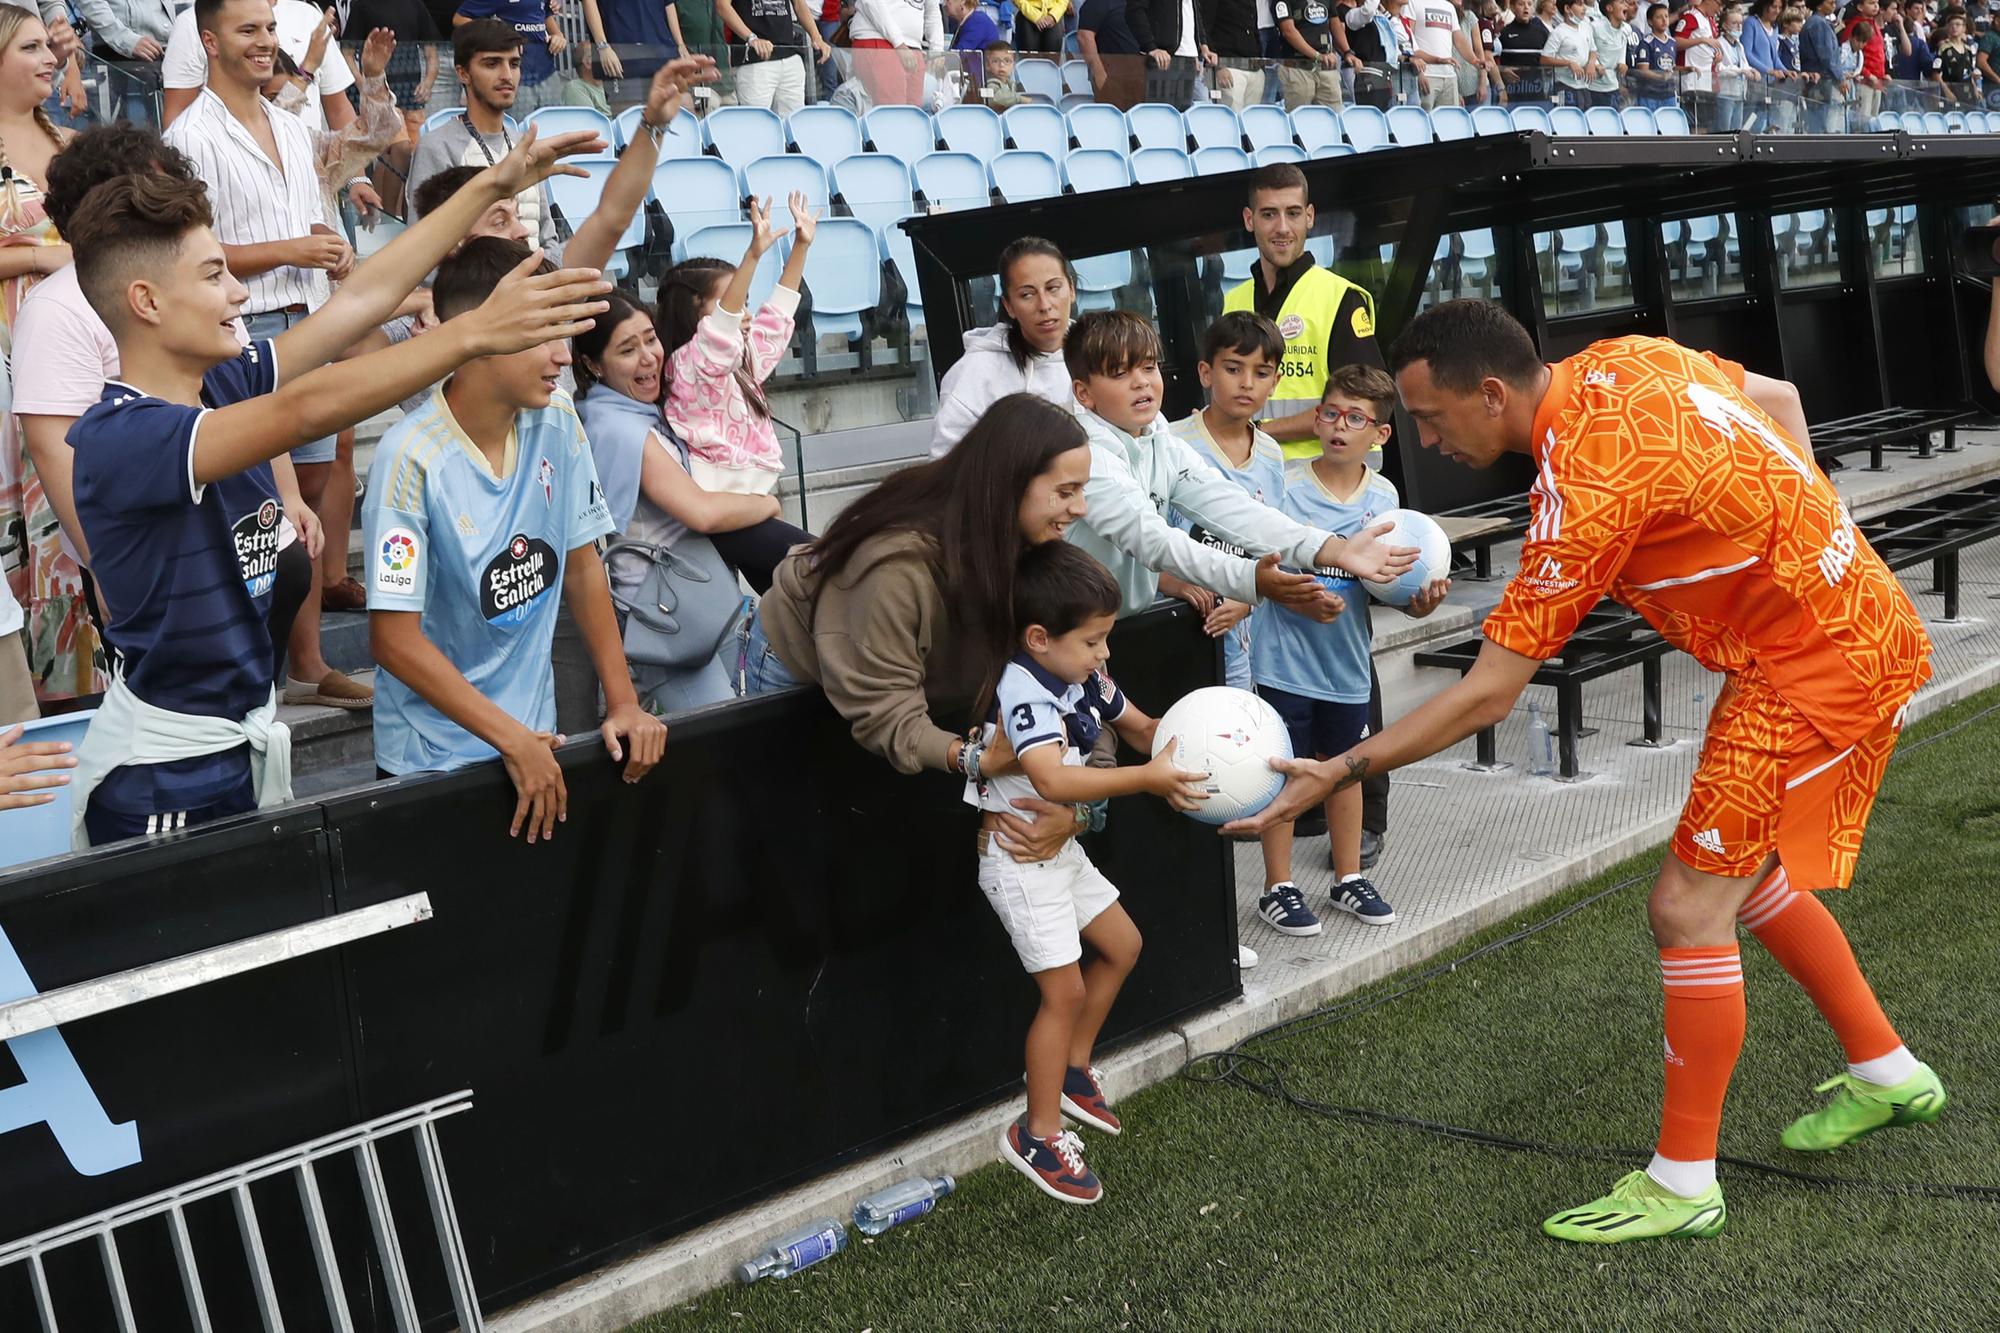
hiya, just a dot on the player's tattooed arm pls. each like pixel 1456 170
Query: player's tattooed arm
pixel 1357 770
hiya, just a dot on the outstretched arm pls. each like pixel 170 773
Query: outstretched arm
pixel 597 239
pixel 377 287
pixel 1481 699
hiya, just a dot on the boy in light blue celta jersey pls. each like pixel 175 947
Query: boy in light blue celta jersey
pixel 1239 367
pixel 1316 675
pixel 481 513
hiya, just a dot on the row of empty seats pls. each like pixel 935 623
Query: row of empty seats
pixel 1937 122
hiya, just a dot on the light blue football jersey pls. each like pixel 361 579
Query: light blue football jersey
pixel 482 557
pixel 1300 656
pixel 1263 480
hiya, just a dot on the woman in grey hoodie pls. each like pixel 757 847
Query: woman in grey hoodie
pixel 1023 353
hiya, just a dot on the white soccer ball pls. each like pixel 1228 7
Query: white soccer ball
pixel 1232 736
pixel 1434 562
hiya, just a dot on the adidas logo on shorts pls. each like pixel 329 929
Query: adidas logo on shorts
pixel 1709 840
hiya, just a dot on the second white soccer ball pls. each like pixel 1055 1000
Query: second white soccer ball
pixel 1433 559
pixel 1232 736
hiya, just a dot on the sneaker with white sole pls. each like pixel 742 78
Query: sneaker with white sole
pixel 1359 899
pixel 1083 1099
pixel 1284 910
pixel 1055 1164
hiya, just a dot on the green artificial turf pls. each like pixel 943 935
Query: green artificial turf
pixel 1225 1209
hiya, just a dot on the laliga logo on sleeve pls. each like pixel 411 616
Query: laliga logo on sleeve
pixel 396 563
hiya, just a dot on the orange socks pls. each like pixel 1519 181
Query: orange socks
pixel 1805 939
pixel 1705 1021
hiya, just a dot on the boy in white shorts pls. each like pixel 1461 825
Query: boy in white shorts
pixel 1051 702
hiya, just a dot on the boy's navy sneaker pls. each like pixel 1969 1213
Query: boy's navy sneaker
pixel 1358 898
pixel 1083 1099
pixel 1055 1164
pixel 1284 910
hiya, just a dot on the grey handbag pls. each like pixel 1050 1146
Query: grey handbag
pixel 685 604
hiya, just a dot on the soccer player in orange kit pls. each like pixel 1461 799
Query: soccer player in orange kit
pixel 1680 485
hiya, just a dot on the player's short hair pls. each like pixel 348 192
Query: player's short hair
pixel 128 227
pixel 481 36
pixel 205 12
pixel 1364 384
pixel 96 156
pixel 1109 342
pixel 1246 333
pixel 1277 176
pixel 469 277
pixel 437 190
pixel 1059 586
pixel 1466 341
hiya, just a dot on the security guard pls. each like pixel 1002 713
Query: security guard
pixel 1327 321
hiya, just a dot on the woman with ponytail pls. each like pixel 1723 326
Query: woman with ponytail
pixel 61 649
pixel 1023 353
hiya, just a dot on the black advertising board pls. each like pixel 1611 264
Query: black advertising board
pixel 770 957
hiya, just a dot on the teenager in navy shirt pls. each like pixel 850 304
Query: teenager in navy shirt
pixel 188 732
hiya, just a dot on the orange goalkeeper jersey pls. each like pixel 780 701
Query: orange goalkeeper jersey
pixel 1659 483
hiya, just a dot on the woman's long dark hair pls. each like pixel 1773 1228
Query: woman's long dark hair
pixel 682 291
pixel 587 348
pixel 969 501
pixel 1018 345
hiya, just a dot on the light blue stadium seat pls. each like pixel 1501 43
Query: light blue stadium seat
pixel 1978 122
pixel 37 831
pixel 1639 120
pixel 742 134
pixel 896 248
pixel 774 178
pixel 1076 79
pixel 971 129
pixel 1530 118
pixel 1366 127
pixel 1604 120
pixel 1099 126
pixel 1238 265
pixel 727 242
pixel 1071 101
pixel 1321 249
pixel 1409 126
pixel 1955 121
pixel 1913 122
pixel 875 187
pixel 1475 257
pixel 1886 122
pixel 1327 150
pixel 1156 125
pixel 1316 126
pixel 1021 173
pixel 1089 169
pixel 1212 125
pixel 1491 120
pixel 1672 120
pixel 568 119
pixel 1568 120
pixel 575 199
pixel 1039 78
pixel 1935 123
pixel 1220 161
pixel 1266 126
pixel 902 130
pixel 696 192
pixel 844 271
pixel 1452 122
pixel 1160 164
pixel 1038 129
pixel 1099 277
pixel 952 181
pixel 1273 153
pixel 825 133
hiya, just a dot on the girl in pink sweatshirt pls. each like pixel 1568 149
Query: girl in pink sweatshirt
pixel 719 355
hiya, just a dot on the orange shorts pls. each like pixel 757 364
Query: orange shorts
pixel 1768 781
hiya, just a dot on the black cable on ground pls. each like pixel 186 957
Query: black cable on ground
pixel 1265 1074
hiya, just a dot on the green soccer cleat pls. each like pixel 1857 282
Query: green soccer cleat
pixel 1859 1107
pixel 1639 1208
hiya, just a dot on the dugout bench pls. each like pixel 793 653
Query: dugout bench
pixel 1613 637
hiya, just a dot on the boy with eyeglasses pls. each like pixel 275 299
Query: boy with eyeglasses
pixel 1316 675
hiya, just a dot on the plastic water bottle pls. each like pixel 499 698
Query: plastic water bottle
pixel 1541 748
pixel 818 1239
pixel 903 1202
